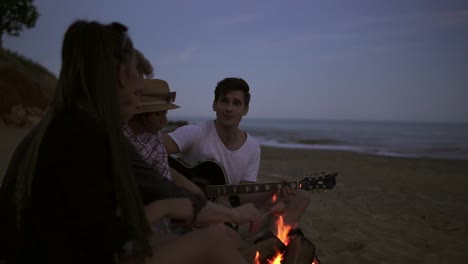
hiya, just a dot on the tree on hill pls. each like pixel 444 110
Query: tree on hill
pixel 16 14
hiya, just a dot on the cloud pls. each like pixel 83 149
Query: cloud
pixel 397 27
pixel 405 24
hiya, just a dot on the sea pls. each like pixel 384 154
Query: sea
pixel 387 138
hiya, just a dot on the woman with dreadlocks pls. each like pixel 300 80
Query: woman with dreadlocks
pixel 70 194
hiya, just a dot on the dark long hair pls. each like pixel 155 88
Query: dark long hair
pixel 92 54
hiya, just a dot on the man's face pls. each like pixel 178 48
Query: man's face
pixel 155 121
pixel 230 108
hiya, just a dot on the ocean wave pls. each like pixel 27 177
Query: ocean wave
pixel 413 140
pixel 288 144
pixel 315 142
pixel 380 151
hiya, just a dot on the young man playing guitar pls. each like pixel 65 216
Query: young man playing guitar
pixel 156 180
pixel 223 141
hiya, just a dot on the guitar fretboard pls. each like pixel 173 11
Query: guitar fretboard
pixel 221 190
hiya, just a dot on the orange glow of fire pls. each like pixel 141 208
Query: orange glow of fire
pixel 276 259
pixel 275 196
pixel 257 257
pixel 282 230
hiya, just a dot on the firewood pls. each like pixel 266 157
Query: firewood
pixel 267 249
pixel 300 250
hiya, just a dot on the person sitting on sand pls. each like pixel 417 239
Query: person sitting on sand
pixel 70 194
pixel 144 129
pixel 239 153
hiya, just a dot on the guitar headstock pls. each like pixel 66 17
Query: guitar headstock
pixel 327 180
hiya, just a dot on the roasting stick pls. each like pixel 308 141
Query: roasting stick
pixel 267 213
pixel 280 206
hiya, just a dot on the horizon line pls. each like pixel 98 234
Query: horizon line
pixel 173 117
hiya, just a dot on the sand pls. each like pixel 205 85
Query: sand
pixel 382 210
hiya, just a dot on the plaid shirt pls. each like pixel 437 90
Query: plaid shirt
pixel 151 149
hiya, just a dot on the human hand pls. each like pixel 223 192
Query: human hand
pixel 278 208
pixel 247 213
pixel 180 210
pixel 286 192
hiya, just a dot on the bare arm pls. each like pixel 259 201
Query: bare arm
pixel 181 209
pixel 182 181
pixel 244 214
pixel 170 145
pixel 176 208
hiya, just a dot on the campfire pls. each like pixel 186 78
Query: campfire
pixel 284 247
pixel 287 245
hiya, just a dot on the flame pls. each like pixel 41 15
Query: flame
pixel 282 230
pixel 274 198
pixel 277 259
pixel 257 257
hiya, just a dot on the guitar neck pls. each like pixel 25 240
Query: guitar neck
pixel 221 190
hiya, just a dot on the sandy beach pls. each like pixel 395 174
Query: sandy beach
pixel 382 210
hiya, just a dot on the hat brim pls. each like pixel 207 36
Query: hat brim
pixel 157 108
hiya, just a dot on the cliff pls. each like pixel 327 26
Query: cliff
pixel 26 89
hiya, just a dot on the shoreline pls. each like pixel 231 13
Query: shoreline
pixel 11 136
pixel 354 149
pixel 337 149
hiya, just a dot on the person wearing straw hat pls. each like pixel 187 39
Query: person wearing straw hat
pixel 144 129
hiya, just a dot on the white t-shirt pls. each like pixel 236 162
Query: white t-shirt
pixel 199 142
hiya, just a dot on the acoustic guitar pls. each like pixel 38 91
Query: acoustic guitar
pixel 210 176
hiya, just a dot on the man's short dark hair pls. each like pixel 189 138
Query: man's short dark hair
pixel 232 84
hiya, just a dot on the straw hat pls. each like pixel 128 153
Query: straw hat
pixel 156 96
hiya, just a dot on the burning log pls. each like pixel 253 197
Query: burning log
pixel 285 246
pixel 299 250
pixel 267 248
